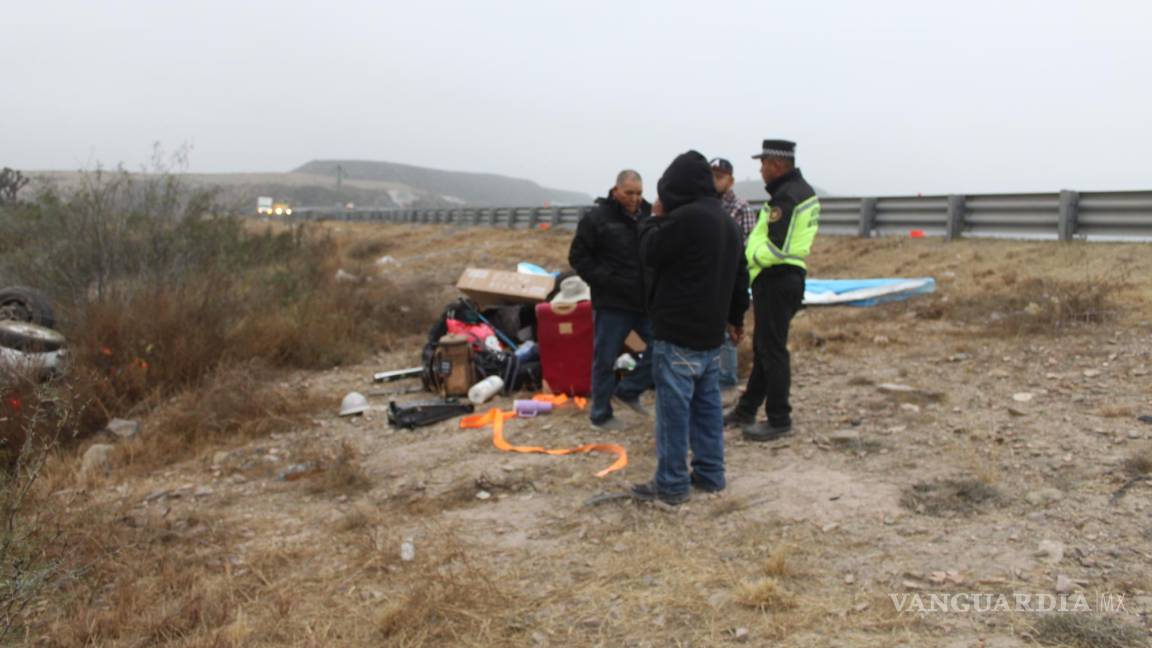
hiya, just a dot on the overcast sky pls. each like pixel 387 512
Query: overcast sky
pixel 884 97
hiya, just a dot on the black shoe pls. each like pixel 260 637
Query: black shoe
pixel 766 432
pixel 703 486
pixel 736 417
pixel 649 493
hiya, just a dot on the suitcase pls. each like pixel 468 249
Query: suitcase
pixel 453 365
pixel 564 335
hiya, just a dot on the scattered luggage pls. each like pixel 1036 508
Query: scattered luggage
pixel 452 370
pixel 413 415
pixel 564 335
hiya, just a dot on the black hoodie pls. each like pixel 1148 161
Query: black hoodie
pixel 700 279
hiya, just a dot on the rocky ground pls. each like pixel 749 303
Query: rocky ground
pixel 983 440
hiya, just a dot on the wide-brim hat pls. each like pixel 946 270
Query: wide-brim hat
pixel 572 290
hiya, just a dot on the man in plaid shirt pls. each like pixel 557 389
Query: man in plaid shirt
pixel 740 212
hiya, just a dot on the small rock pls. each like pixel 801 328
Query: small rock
pixel 1134 434
pixel 539 638
pixel 889 520
pixel 483 495
pixel 407 550
pixel 998 373
pixel 1044 496
pixel 221 458
pixel 1023 397
pixel 849 579
pixel 1091 373
pixel 845 436
pixel 1064 585
pixel 741 635
pixel 122 428
pixel 831 526
pixel 1051 550
pixel 910 408
pixel 96 458
pixel 860 607
pixel 203 491
pixel 344 276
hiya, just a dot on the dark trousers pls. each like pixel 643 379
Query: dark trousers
pixel 611 328
pixel 776 298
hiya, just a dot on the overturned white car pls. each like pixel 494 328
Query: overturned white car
pixel 28 343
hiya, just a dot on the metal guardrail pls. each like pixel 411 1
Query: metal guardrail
pixel 1065 216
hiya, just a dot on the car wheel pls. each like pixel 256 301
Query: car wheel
pixel 26 305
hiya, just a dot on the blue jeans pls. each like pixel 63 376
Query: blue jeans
pixel 612 327
pixel 729 364
pixel 689 415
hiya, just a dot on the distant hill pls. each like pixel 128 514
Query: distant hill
pixel 484 189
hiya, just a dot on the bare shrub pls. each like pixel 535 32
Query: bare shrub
pixel 1038 305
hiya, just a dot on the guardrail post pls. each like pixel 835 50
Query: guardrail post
pixel 955 217
pixel 1069 214
pixel 512 218
pixel 867 217
pixel 555 217
pixel 534 218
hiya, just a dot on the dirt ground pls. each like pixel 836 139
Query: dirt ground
pixel 1027 371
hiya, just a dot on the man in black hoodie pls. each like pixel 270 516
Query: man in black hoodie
pixel 699 294
pixel 606 255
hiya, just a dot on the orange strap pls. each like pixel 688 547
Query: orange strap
pixel 559 400
pixel 496 419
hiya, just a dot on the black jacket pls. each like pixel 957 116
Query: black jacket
pixel 606 255
pixel 696 252
pixel 787 191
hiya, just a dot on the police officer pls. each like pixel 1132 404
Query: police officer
pixel 776 253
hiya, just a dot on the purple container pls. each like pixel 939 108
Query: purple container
pixel 530 408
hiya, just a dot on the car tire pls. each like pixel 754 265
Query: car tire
pixel 26 305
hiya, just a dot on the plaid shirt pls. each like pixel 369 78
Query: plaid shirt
pixel 740 212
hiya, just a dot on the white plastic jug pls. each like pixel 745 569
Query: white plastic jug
pixel 482 391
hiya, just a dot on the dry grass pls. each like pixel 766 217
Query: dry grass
pixel 339 472
pixel 1038 306
pixel 949 497
pixel 1088 631
pixel 234 405
pixel 1139 464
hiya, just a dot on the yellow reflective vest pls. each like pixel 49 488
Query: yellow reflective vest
pixel 762 253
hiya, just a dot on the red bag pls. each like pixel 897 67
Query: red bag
pixel 564 333
pixel 476 333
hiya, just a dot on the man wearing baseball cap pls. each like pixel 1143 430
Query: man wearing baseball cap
pixel 776 253
pixel 745 218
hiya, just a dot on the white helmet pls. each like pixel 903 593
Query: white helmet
pixel 354 403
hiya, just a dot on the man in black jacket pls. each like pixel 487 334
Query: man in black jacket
pixel 699 294
pixel 606 255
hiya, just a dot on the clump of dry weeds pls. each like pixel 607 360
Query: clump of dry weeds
pixel 1037 306
pixel 1088 631
pixel 949 497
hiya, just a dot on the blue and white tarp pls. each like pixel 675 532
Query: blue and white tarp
pixel 864 292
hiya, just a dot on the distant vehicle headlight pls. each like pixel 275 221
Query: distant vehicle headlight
pixel 288 212
pixel 279 211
